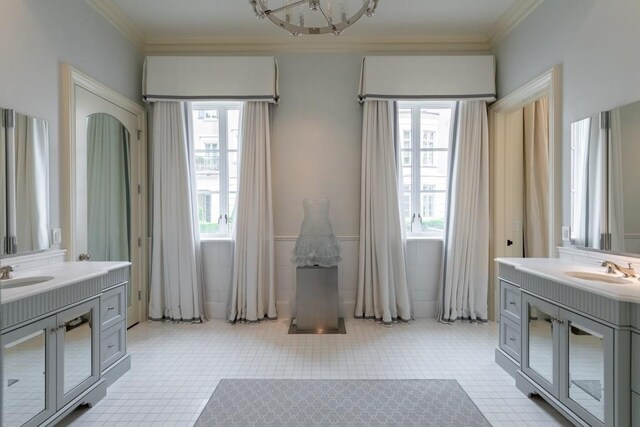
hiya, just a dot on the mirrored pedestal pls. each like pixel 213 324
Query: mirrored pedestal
pixel 317 301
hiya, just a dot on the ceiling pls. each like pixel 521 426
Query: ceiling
pixel 200 25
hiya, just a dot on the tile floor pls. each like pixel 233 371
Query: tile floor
pixel 175 367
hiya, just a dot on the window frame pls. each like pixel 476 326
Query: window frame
pixel 223 108
pixel 416 151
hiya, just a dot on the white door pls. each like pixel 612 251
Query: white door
pixel 90 105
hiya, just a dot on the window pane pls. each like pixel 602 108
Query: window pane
pixel 434 165
pixel 432 211
pixel 233 196
pixel 404 127
pixel 233 128
pixel 435 126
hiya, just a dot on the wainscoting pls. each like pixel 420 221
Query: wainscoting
pixel 423 274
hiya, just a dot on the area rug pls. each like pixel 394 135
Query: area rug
pixel 340 403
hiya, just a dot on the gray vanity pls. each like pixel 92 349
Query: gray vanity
pixel 63 339
pixel 571 334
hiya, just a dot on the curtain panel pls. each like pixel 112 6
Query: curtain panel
pixel 464 282
pixel 253 287
pixel 536 173
pixel 176 269
pixel 382 291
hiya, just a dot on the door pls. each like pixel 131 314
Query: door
pixel 28 374
pixel 540 342
pixel 108 199
pixel 78 350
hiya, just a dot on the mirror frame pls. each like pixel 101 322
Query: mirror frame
pixel 72 79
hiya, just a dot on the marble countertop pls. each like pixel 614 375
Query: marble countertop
pixel 554 269
pixel 64 274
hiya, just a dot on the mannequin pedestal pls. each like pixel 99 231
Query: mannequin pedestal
pixel 317 300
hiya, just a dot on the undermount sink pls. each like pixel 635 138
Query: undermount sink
pixel 24 281
pixel 598 277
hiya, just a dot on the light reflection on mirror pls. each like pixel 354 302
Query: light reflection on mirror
pixel 605 198
pixel 108 197
pixel 24 146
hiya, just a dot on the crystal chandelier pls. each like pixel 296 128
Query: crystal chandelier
pixel 314 16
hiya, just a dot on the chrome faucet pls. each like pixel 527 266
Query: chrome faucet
pixel 5 272
pixel 612 267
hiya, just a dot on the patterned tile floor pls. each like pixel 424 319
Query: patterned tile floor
pixel 175 367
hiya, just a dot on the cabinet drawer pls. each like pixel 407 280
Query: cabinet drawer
pixel 510 301
pixel 635 362
pixel 112 345
pixel 113 306
pixel 510 337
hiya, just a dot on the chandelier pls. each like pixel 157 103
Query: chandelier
pixel 314 16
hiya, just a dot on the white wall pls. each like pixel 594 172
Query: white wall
pixel 596 41
pixel 35 37
pixel 423 272
pixel 630 132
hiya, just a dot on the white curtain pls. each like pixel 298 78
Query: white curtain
pixel 108 189
pixel 382 280
pixel 176 277
pixel 253 288
pixel 616 191
pixel 32 218
pixel 536 160
pixel 464 285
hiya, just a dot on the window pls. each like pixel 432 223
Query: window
pixel 215 128
pixel 425 132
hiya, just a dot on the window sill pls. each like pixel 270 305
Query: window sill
pixel 438 239
pixel 215 239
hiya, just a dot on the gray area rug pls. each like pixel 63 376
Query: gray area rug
pixel 340 403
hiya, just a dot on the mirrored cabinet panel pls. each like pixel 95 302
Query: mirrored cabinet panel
pixel 24 160
pixel 26 375
pixel 586 369
pixel 541 341
pixel 605 197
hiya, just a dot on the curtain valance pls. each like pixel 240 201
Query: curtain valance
pixel 428 77
pixel 242 78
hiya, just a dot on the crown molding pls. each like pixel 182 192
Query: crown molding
pixel 307 44
pixel 447 43
pixel 120 20
pixel 510 19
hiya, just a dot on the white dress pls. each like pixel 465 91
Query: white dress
pixel 316 245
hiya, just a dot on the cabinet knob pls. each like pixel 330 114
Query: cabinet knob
pixel 512 302
pixel 84 257
pixel 110 308
pixel 110 345
pixel 512 339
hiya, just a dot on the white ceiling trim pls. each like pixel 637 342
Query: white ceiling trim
pixel 474 43
pixel 510 20
pixel 116 17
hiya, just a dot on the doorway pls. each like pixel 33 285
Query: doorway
pixel 509 175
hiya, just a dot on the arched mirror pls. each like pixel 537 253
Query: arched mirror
pixel 106 176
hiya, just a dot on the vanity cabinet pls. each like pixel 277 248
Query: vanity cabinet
pixel 49 363
pixel 571 357
pixel 577 349
pixel 63 348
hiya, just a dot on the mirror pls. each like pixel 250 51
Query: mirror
pixel 24 177
pixel 605 200
pixel 540 347
pixel 586 369
pixel 77 351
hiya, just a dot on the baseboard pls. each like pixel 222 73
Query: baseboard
pixel 507 363
pixel 90 397
pixel 118 369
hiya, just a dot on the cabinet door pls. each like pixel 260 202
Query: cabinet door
pixel 28 374
pixel 78 350
pixel 587 368
pixel 540 340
